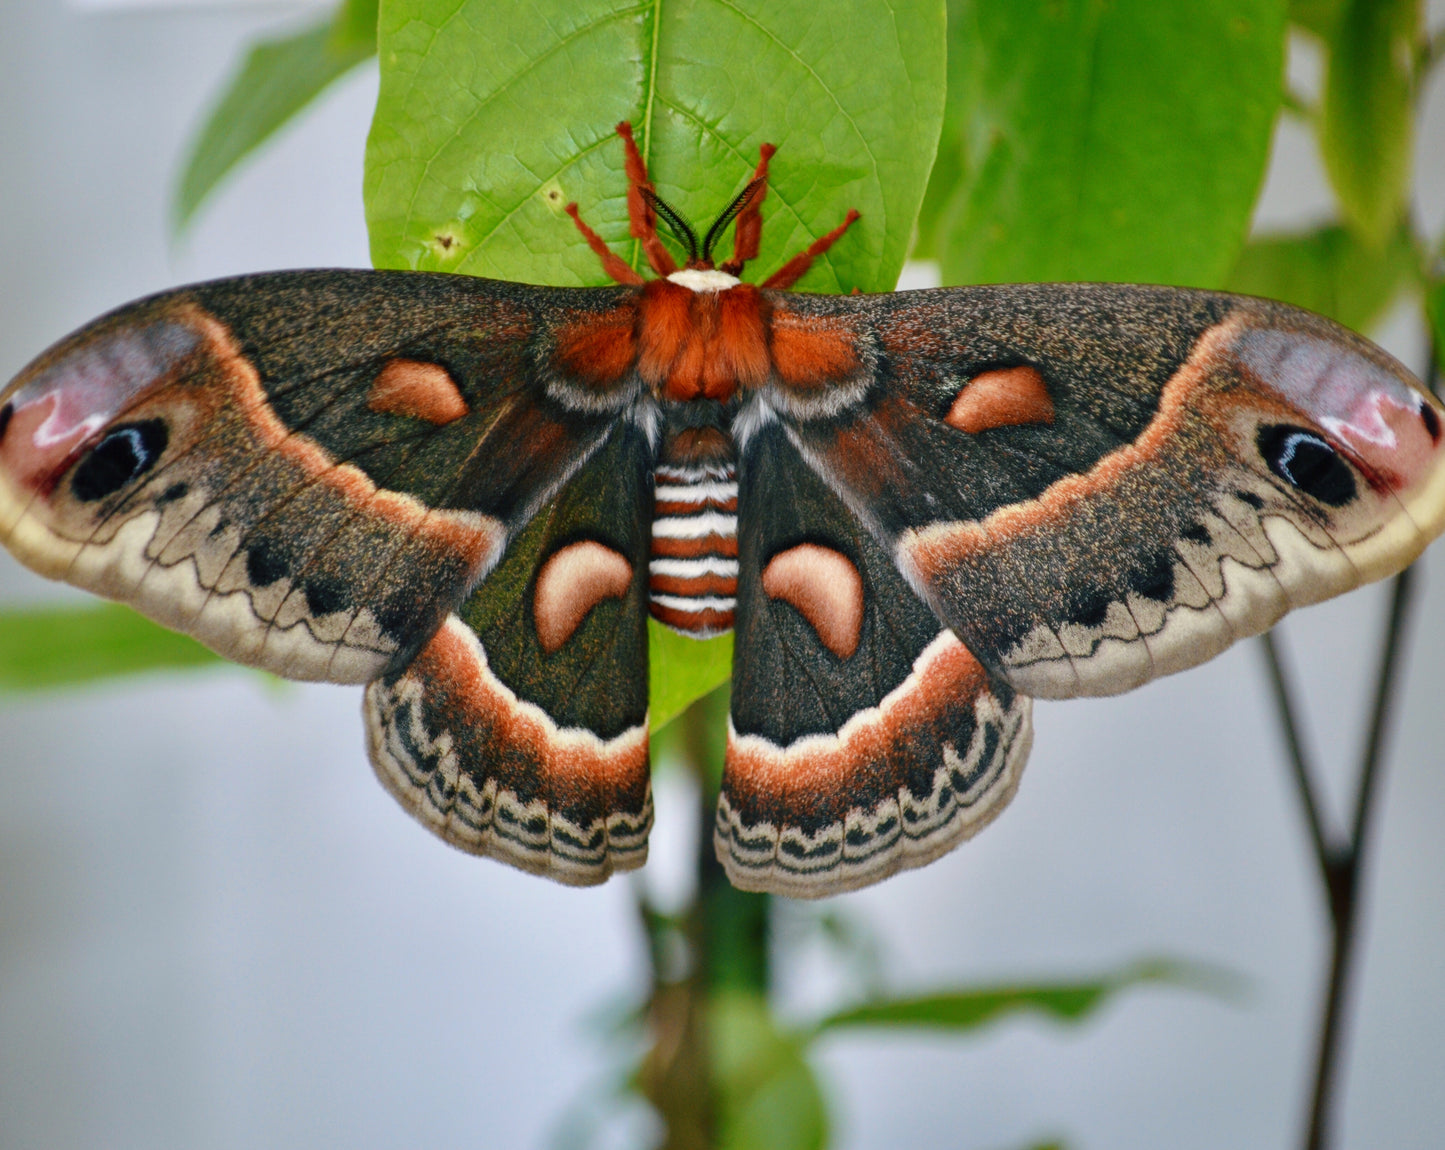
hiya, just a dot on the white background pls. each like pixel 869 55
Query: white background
pixel 216 930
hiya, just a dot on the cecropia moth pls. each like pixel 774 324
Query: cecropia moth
pixel 917 510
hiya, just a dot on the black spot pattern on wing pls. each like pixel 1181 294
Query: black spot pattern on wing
pixel 1155 579
pixel 265 564
pixel 1304 460
pixel 122 456
pixel 1090 609
pixel 325 596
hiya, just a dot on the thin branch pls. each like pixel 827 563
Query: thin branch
pixel 1343 879
pixel 1284 704
pixel 1401 598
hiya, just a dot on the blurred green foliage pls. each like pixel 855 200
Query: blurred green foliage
pixel 1123 141
pixel 977 1007
pixel 1367 115
pixel 1331 270
pixel 66 646
pixel 276 81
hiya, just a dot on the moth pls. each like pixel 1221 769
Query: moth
pixel 917 511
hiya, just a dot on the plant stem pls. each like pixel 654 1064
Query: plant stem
pixel 1284 704
pixel 1342 866
pixel 725 932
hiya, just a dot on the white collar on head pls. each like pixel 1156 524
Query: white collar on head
pixel 696 279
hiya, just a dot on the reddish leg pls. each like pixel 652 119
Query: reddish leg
pixel 794 270
pixel 639 211
pixel 749 230
pixel 613 264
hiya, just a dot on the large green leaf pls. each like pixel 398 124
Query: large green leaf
pixel 971 1009
pixel 683 669
pixel 66 646
pixel 277 79
pixel 493 116
pixel 1329 270
pixel 1121 140
pixel 1366 127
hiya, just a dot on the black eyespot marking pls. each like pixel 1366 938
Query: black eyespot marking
pixel 1304 460
pixel 1197 533
pixel 264 565
pixel 1427 417
pixel 1156 579
pixel 1249 498
pixel 172 493
pixel 5 413
pixel 1091 611
pixel 324 596
pixel 123 455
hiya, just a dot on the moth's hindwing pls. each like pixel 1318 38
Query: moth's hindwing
pixel 306 470
pixel 520 730
pixel 1096 484
pixel 864 737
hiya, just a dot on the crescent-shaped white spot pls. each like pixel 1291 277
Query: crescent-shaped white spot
pixel 826 589
pixel 571 583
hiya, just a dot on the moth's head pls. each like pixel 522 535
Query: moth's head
pixel 700 255
pixel 699 273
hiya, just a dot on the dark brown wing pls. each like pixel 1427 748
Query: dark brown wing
pixel 520 730
pixel 1096 484
pixel 306 470
pixel 318 472
pixel 864 737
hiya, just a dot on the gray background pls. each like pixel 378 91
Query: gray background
pixel 216 930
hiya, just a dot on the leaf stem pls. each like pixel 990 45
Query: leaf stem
pixel 725 933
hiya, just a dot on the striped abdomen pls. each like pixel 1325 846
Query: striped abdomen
pixel 694 565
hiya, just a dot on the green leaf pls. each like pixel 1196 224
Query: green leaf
pixel 1365 128
pixel 1316 16
pixel 493 116
pixel 1329 270
pixel 767 1095
pixel 972 1009
pixel 683 669
pixel 1105 141
pixel 278 79
pixel 64 646
pixel 947 176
